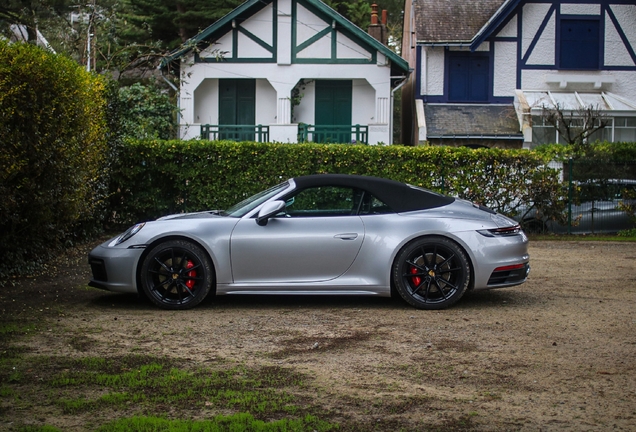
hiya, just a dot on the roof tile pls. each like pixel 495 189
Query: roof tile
pixel 452 20
pixel 471 120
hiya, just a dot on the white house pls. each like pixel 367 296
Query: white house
pixel 287 71
pixel 484 69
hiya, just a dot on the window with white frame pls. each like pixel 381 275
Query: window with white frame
pixel 625 129
pixel 542 133
pixel 545 133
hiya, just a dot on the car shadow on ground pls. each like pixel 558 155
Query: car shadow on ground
pixel 471 300
pixel 136 302
pixel 496 298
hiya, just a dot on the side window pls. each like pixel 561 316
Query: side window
pixel 372 205
pixel 334 201
pixel 323 201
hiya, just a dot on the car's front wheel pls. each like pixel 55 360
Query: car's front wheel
pixel 431 273
pixel 176 274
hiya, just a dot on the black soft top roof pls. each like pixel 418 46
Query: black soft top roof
pixel 399 196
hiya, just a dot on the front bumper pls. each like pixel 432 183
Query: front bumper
pixel 114 269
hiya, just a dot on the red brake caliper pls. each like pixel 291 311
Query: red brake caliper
pixel 191 274
pixel 416 279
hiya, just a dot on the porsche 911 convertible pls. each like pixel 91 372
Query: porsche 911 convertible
pixel 323 234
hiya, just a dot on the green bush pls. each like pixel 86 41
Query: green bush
pixel 155 178
pixel 146 112
pixel 53 148
pixel 617 152
pixel 630 233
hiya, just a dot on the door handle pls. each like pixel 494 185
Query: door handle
pixel 346 236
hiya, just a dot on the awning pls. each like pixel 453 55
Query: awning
pixel 530 103
pixel 533 102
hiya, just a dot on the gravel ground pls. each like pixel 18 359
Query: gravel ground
pixel 557 353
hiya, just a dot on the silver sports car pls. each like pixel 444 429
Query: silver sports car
pixel 320 235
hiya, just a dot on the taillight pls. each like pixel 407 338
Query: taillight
pixel 501 232
pixel 510 267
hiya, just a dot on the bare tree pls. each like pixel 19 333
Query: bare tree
pixel 575 126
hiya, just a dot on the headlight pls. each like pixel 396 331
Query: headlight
pixel 128 234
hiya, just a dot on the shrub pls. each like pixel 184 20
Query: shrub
pixel 54 135
pixel 146 112
pixel 630 233
pixel 617 152
pixel 154 178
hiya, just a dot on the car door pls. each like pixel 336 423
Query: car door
pixel 316 239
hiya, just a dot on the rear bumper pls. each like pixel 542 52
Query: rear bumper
pixel 509 276
pixel 497 261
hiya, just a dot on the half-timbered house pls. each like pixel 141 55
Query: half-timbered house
pixel 486 69
pixel 287 71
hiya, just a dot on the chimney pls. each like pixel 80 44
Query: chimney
pixel 378 29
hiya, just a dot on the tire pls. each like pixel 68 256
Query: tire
pixel 176 275
pixel 431 273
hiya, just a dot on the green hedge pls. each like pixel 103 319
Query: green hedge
pixel 616 152
pixel 52 152
pixel 155 178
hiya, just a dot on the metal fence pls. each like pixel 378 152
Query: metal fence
pixel 354 134
pixel 601 198
pixel 257 133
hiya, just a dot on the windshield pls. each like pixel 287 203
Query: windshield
pixel 249 204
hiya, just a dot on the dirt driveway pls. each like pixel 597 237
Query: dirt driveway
pixel 558 353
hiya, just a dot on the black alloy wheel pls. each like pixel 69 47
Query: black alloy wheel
pixel 177 274
pixel 431 273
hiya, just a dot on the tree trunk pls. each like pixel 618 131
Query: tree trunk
pixel 183 34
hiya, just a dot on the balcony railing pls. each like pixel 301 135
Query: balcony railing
pixel 354 134
pixel 257 133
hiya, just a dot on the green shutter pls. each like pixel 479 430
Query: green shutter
pixel 333 108
pixel 333 102
pixel 237 106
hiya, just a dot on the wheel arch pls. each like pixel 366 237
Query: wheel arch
pixel 471 282
pixel 159 240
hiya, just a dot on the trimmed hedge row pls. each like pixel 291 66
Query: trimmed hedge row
pixel 155 178
pixel 53 150
pixel 613 152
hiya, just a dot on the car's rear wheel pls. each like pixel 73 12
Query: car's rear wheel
pixel 176 274
pixel 431 273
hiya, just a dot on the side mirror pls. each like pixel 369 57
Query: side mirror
pixel 268 210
